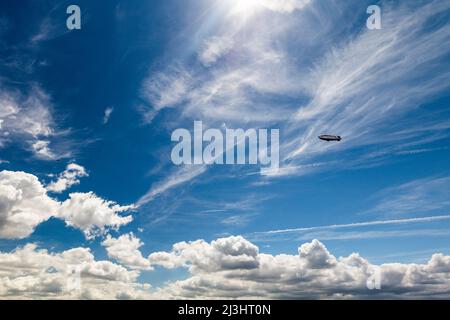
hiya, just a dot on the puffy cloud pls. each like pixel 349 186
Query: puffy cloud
pixel 225 268
pixel 68 178
pixel 32 273
pixel 227 253
pixel 233 268
pixel 24 204
pixel 93 215
pixel 125 250
pixel 316 255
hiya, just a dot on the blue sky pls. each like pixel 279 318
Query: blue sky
pixel 106 99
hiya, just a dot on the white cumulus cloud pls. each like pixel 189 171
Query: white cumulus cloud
pixel 226 253
pixel 32 273
pixel 227 268
pixel 68 178
pixel 234 268
pixel 125 250
pixel 92 214
pixel 24 204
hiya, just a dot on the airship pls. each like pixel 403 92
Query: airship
pixel 328 137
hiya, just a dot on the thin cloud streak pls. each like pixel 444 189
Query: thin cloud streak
pixel 426 195
pixel 358 225
pixel 327 235
pixel 178 177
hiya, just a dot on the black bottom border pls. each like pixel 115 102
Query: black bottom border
pixel 224 309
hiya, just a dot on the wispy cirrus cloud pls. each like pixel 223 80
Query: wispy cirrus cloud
pixel 366 85
pixel 176 178
pixel 229 93
pixel 215 48
pixel 373 234
pixel 406 203
pixel 226 90
pixel 27 119
pixel 361 87
pixel 430 226
pixel 425 195
pixel 27 110
pixel 107 114
pixel 359 224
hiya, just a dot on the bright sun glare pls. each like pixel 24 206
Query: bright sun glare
pixel 245 7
